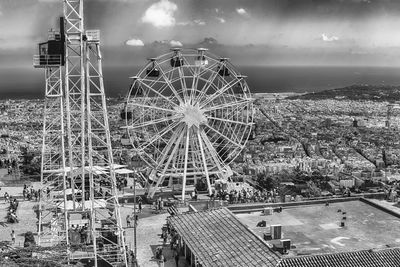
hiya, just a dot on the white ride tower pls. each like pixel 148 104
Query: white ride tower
pixel 78 180
pixel 188 115
pixel 53 141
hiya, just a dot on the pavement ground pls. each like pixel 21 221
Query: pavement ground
pixel 148 229
pixel 148 237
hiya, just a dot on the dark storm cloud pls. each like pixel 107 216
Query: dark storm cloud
pixel 318 28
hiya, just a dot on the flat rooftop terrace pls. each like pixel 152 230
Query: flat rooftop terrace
pixel 316 228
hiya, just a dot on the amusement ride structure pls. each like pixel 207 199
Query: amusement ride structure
pixel 78 200
pixel 188 115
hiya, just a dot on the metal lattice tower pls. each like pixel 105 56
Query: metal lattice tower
pixel 78 175
pixel 53 161
pixel 103 188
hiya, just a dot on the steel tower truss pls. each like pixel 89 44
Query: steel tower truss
pixel 79 186
pixel 103 188
pixel 51 229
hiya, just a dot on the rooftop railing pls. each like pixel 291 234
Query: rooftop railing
pixel 93 35
pixel 43 61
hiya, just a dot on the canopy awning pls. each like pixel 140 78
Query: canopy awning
pixel 116 166
pixel 124 171
pixel 98 203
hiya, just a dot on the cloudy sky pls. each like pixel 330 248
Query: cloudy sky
pixel 250 32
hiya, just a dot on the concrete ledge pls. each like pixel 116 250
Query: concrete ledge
pixel 246 207
pixel 260 207
pixel 381 207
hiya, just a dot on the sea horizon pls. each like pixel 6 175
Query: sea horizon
pixel 261 79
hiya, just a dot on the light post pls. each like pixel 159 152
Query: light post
pixel 134 218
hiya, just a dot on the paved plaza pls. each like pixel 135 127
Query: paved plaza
pixel 148 231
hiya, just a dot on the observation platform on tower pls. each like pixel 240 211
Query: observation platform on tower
pixel 52 52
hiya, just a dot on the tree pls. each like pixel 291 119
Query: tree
pixel 266 182
pixel 29 239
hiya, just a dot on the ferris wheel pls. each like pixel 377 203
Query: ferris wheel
pixel 188 115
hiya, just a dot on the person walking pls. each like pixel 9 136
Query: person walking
pixel 160 257
pixel 128 221
pixel 176 257
pixel 12 237
pixel 164 236
pixel 140 204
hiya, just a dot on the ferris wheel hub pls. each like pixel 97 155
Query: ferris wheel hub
pixel 192 114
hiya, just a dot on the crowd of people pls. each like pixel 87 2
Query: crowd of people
pixel 246 195
pixel 30 193
pixel 169 233
pixel 122 183
pixel 158 205
pixel 79 234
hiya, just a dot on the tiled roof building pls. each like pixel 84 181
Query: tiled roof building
pixel 217 238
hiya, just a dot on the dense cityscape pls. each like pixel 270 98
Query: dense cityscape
pixel 333 139
pixel 299 150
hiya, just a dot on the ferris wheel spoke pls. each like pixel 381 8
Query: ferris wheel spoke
pixel 227 105
pixel 220 91
pixel 137 104
pixel 230 121
pixel 183 83
pixel 168 81
pixel 185 161
pixel 195 80
pixel 194 152
pixel 202 70
pixel 194 72
pixel 207 85
pixel 162 133
pixel 148 123
pixel 224 136
pixel 210 81
pixel 158 93
pixel 171 156
pixel 203 157
pixel 234 132
pixel 170 144
pixel 211 149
